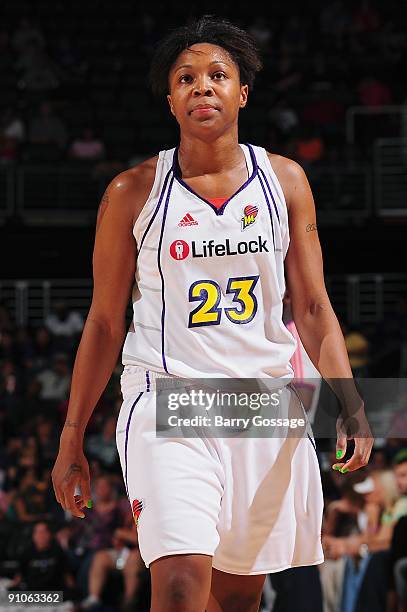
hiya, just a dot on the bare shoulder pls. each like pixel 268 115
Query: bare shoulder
pixel 290 174
pixel 130 189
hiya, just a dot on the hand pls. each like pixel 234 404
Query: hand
pixel 71 469
pixel 355 427
pixel 334 548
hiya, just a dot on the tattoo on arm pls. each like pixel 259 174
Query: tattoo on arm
pixel 71 424
pixel 74 467
pixel 311 227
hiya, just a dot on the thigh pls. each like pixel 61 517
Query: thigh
pixel 235 593
pixel 174 485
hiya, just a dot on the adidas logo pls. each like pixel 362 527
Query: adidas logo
pixel 187 221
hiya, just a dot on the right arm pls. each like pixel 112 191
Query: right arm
pixel 114 264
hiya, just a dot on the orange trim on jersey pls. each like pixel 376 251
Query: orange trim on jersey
pixel 217 201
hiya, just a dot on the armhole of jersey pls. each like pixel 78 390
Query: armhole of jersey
pixel 144 209
pixel 281 197
pixel 275 181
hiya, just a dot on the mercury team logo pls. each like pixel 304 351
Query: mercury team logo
pixel 138 505
pixel 179 249
pixel 249 216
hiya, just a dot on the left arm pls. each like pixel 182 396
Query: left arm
pixel 313 314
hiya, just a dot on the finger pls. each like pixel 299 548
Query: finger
pixel 338 466
pixel 69 498
pixel 341 446
pixel 79 501
pixel 70 504
pixel 86 491
pixel 360 457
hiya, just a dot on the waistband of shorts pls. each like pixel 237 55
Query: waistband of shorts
pixel 136 378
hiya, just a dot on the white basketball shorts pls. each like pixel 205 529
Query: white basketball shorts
pixel 253 504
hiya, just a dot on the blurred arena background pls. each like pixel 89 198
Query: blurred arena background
pixel 75 110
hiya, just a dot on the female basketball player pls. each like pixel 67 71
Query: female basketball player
pixel 209 229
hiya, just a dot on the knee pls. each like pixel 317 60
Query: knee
pixel 180 591
pixel 102 558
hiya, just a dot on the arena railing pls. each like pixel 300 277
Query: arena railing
pixel 390 176
pixel 57 194
pixel 357 298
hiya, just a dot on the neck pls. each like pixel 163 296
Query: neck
pixel 197 157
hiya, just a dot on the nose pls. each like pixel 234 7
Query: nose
pixel 202 87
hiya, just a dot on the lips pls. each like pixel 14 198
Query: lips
pixel 203 108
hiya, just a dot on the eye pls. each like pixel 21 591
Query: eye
pixel 185 78
pixel 219 76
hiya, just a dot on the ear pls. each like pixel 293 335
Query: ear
pixel 170 103
pixel 244 92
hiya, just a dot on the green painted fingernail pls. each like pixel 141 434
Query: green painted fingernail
pixel 89 503
pixel 339 454
pixel 344 471
pixel 336 467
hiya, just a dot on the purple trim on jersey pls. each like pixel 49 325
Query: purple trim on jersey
pixel 271 193
pixel 156 209
pixel 269 207
pixel 312 442
pixel 161 272
pixel 147 380
pixel 126 441
pixel 221 209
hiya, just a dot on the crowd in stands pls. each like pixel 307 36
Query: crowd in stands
pixel 74 79
pixel 96 561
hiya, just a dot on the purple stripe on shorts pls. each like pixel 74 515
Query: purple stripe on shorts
pixel 127 438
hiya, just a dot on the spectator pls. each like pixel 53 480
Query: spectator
pixel 310 146
pixel 367 552
pixel 373 92
pixel 47 128
pixel 97 533
pixel 123 556
pixel 43 565
pixel 66 325
pixel 39 353
pixel 397 596
pixel 12 134
pixel 26 34
pixel 358 347
pixel 334 23
pixel 102 446
pixel 55 380
pixel 261 32
pixel 38 72
pixel 47 442
pixel 28 503
pixel 87 147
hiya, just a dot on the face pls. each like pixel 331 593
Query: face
pixel 400 472
pixel 377 495
pixel 205 91
pixel 103 489
pixel 41 535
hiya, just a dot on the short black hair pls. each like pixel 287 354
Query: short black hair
pixel 240 45
pixel 400 457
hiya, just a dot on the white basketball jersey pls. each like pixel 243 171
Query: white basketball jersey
pixel 207 301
